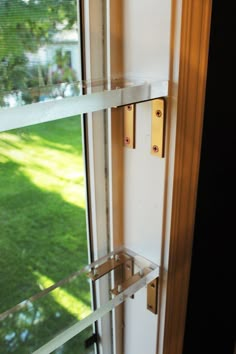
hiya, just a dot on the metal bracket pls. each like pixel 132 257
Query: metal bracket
pixel 130 281
pixel 158 127
pixel 129 126
pixel 152 295
pixel 111 264
pixel 123 266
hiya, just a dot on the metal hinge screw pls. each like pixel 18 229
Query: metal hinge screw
pixel 158 113
pixel 117 258
pixel 127 140
pixel 155 148
pixel 119 288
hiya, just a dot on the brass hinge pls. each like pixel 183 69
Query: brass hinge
pixel 129 126
pixel 111 264
pixel 158 127
pixel 152 296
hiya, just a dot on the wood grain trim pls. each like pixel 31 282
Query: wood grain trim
pixel 195 29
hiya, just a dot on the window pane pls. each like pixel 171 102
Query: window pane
pixel 39 51
pixel 77 344
pixel 43 229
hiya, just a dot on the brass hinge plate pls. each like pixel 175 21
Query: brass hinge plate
pixel 129 126
pixel 158 127
pixel 152 295
pixel 111 264
pixel 128 282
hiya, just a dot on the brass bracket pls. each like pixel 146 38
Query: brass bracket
pixel 158 127
pixel 126 284
pixel 129 126
pixel 133 279
pixel 111 264
pixel 152 295
pixel 123 266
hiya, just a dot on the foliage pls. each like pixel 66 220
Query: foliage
pixel 25 25
pixel 13 74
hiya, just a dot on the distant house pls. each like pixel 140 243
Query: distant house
pixel 66 41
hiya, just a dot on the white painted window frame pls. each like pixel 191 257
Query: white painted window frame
pixel 95 31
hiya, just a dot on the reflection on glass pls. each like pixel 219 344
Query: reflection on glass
pixel 39 319
pixel 39 51
pixel 120 274
pixel 43 231
pixel 77 345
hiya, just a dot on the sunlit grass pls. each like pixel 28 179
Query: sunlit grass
pixel 70 303
pixel 49 168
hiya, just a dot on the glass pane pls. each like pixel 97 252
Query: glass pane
pixel 43 230
pixel 77 344
pixel 39 51
pixel 38 320
pixel 47 327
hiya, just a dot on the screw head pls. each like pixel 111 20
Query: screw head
pixel 158 113
pixel 119 288
pixel 129 107
pixel 155 148
pixel 95 271
pixel 127 140
pixel 117 258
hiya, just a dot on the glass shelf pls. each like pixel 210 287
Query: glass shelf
pixel 122 273
pixel 90 96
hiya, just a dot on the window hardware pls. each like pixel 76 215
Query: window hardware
pixel 152 295
pixel 134 273
pixel 128 279
pixel 158 127
pixel 126 95
pixel 129 126
pixel 129 282
pixel 98 271
pixel 91 340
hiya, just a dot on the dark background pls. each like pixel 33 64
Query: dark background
pixel 210 323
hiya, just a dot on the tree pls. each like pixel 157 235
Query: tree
pixel 25 25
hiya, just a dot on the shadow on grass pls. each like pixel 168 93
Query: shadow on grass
pixel 43 240
pixel 64 128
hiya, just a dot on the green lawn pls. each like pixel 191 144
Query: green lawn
pixel 42 233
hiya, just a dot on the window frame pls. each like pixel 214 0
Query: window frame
pixel 93 132
pixel 183 160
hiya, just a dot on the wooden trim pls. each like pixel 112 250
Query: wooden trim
pixel 193 58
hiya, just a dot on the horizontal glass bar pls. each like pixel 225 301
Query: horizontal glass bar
pixel 121 272
pixel 98 95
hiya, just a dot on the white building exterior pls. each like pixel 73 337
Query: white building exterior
pixel 68 42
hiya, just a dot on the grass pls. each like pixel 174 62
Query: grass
pixel 42 233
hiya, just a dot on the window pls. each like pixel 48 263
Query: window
pixel 129 192
pixel 42 183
